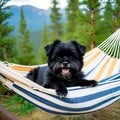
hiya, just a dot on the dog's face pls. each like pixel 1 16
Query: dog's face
pixel 65 60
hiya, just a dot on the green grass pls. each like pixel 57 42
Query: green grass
pixel 18 105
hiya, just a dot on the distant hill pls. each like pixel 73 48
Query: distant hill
pixel 35 38
pixel 35 17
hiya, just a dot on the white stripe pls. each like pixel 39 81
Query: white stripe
pixel 79 93
pixel 93 63
pixel 79 105
pixel 116 69
pixel 92 52
pixel 98 63
pixel 103 105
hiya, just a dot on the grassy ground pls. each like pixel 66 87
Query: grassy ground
pixel 109 113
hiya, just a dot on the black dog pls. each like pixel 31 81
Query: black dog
pixel 65 61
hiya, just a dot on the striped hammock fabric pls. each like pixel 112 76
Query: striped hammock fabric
pixel 101 64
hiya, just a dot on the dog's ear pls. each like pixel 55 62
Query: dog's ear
pixel 80 48
pixel 49 48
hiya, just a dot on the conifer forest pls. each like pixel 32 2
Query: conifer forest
pixel 89 22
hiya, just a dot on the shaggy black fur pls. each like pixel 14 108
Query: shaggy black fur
pixel 65 61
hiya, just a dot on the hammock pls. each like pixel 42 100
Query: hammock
pixel 101 64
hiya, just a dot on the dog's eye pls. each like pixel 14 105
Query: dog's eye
pixel 59 58
pixel 71 57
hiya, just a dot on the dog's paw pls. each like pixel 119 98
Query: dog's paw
pixel 61 93
pixel 93 83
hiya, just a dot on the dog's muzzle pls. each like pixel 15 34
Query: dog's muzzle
pixel 65 67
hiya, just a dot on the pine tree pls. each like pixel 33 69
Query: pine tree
pixel 44 42
pixel 108 24
pixel 7 42
pixel 56 25
pixel 116 14
pixel 111 16
pixel 108 11
pixel 25 57
pixel 25 47
pixel 71 12
pixel 89 29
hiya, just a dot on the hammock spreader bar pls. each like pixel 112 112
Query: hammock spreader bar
pixel 100 64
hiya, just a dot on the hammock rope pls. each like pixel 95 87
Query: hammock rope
pixel 111 45
pixel 101 64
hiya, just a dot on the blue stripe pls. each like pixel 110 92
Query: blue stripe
pixel 80 110
pixel 111 78
pixel 66 99
pixel 77 99
pixel 99 84
pixel 61 107
pixel 88 97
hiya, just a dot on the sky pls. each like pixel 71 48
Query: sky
pixel 43 4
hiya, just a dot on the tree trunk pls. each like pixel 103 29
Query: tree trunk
pixel 5 54
pixel 92 45
pixel 116 24
pixel 92 23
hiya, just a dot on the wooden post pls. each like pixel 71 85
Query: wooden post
pixel 5 115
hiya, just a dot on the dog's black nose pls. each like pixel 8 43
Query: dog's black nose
pixel 65 64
